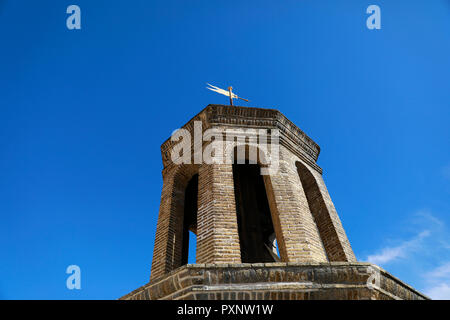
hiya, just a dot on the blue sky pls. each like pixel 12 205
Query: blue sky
pixel 83 114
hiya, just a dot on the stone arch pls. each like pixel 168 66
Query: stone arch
pixel 321 214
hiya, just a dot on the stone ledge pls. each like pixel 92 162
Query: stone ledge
pixel 304 281
pixel 292 137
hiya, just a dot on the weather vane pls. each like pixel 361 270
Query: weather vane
pixel 228 93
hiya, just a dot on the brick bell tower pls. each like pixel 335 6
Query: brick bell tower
pixel 272 235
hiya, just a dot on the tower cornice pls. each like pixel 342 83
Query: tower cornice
pixel 291 136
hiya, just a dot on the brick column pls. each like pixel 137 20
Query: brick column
pixel 167 253
pixel 338 247
pixel 162 262
pixel 297 233
pixel 217 230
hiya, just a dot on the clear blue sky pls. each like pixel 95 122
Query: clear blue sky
pixel 83 114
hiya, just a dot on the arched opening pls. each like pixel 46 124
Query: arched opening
pixel 171 242
pixel 189 221
pixel 319 211
pixel 256 232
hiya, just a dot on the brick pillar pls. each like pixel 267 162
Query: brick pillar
pixel 162 257
pixel 217 230
pixel 297 233
pixel 169 230
pixel 332 232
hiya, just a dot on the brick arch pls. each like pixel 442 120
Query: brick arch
pixel 167 255
pixel 321 213
pixel 231 155
pixel 182 174
pixel 263 159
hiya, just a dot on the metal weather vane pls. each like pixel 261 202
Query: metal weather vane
pixel 228 93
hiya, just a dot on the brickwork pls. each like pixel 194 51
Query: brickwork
pixel 294 224
pixel 218 238
pixel 168 239
pixel 305 221
pixel 317 259
pixel 330 228
pixel 340 246
pixel 276 281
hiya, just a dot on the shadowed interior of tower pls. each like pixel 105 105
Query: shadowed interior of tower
pixel 256 233
pixel 190 216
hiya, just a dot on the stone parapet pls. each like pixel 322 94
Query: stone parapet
pixel 277 281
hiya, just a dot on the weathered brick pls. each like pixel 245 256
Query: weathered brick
pixel 317 261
